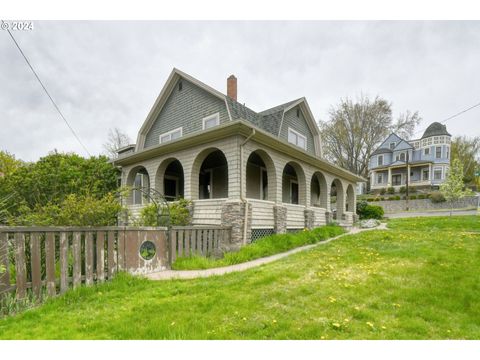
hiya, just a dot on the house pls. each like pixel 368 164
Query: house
pixel 428 160
pixel 259 172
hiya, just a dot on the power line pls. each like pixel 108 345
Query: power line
pixel 46 91
pixel 453 116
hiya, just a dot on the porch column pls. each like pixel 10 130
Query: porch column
pixel 372 180
pixel 408 174
pixel 389 179
pixel 430 173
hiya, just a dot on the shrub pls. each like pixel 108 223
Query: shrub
pixel 382 191
pixel 422 196
pixel 179 214
pixel 396 197
pixel 370 199
pixel 403 190
pixel 366 211
pixel 391 190
pixel 437 197
pixel 413 197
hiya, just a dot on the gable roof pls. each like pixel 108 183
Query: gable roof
pixel 269 120
pixel 435 129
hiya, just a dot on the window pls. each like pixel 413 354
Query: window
pixel 380 179
pixel 296 138
pixel 425 174
pixel 140 185
pixel 380 160
pixel 448 152
pixel 396 179
pixel 171 135
pixel 263 184
pixel 293 192
pixel 426 151
pixel 211 121
pixel 298 112
pixel 438 152
pixel 402 157
pixel 392 145
pixel 437 174
pixel 180 85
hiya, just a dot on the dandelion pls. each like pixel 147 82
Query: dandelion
pixel 173 323
pixel 357 308
pixel 337 325
pixel 332 299
pixel 244 319
pixel 384 327
pixel 346 320
pixel 369 324
pixel 322 337
pixel 274 321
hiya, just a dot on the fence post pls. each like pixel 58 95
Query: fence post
pixel 111 258
pixel 173 246
pixel 50 263
pixel 63 262
pixel 88 258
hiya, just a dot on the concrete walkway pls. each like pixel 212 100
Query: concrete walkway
pixel 430 213
pixel 193 274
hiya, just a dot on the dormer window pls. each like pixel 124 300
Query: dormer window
pixel 392 145
pixel 380 160
pixel 297 139
pixel 171 135
pixel 211 121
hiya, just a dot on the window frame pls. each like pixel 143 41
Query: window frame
pixel 425 151
pixel 441 172
pixel 263 196
pixel 297 135
pixel 428 174
pixel 215 116
pixel 394 145
pixel 169 134
pixel 378 160
pixel 293 181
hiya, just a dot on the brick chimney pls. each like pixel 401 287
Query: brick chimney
pixel 232 87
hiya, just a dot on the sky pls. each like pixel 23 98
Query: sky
pixel 107 74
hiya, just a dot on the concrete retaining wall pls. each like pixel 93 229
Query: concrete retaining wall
pixel 424 204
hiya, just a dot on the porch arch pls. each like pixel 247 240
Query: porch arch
pixel 294 184
pixel 338 192
pixel 209 175
pixel 260 174
pixel 170 179
pixel 138 178
pixel 319 190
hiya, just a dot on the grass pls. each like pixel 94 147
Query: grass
pixel 410 282
pixel 266 246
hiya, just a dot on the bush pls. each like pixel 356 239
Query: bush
pixel 403 190
pixel 366 211
pixel 370 199
pixel 422 196
pixel 437 197
pixel 179 214
pixel 382 191
pixel 396 197
pixel 413 197
pixel 391 190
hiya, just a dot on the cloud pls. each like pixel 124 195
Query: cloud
pixel 108 74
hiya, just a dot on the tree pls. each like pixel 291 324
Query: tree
pixel 8 163
pixel 355 129
pixel 467 150
pixel 116 140
pixel 453 187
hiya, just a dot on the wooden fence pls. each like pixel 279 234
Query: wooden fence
pixel 197 240
pixel 51 259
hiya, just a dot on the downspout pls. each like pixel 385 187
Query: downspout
pixel 242 198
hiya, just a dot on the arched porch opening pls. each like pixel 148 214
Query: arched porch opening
pixel 170 179
pixel 139 180
pixel 337 199
pixel 318 190
pixel 260 176
pixel 293 184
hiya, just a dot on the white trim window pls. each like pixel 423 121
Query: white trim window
pixel 426 151
pixel 171 135
pixel 426 174
pixel 295 138
pixel 379 160
pixel 438 152
pixel 379 178
pixel 393 145
pixel 211 121
pixel 437 173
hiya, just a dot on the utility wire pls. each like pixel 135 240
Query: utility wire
pixel 46 92
pixel 453 116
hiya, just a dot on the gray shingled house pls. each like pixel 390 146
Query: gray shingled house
pixel 259 172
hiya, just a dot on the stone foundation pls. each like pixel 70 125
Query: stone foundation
pixel 309 219
pixel 394 206
pixel 233 214
pixel 280 219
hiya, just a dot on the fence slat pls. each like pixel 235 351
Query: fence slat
pixel 111 258
pixel 20 265
pixel 121 251
pixel 63 262
pixel 100 256
pixel 50 263
pixel 36 259
pixel 173 246
pixel 216 234
pixel 210 241
pixel 5 277
pixel 180 236
pixel 187 243
pixel 88 258
pixel 204 242
pixel 193 242
pixel 77 259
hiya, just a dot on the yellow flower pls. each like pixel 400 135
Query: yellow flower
pixel 337 325
pixel 274 321
pixel 357 308
pixel 173 323
pixel 383 327
pixel 346 320
pixel 369 323
pixel 244 319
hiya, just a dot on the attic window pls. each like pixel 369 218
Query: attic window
pixel 296 138
pixel 180 85
pixel 392 145
pixel 298 112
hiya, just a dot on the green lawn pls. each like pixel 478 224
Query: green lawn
pixel 410 282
